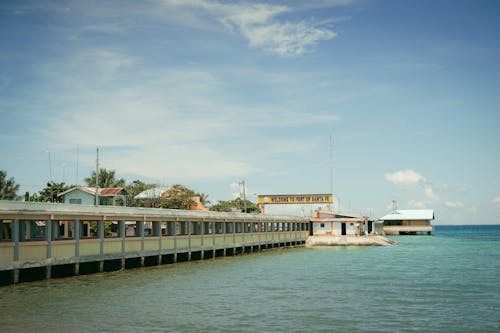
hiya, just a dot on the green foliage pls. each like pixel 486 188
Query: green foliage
pixel 108 226
pixel 49 193
pixel 177 197
pixel 107 178
pixel 8 187
pixel 134 189
pixel 203 198
pixel 237 204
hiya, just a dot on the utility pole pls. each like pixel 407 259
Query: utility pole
pixel 50 167
pixel 97 178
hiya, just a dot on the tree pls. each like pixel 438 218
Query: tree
pixel 237 204
pixel 203 198
pixel 106 179
pixel 8 187
pixel 178 197
pixel 134 189
pixel 49 193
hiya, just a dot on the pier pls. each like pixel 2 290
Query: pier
pixel 43 241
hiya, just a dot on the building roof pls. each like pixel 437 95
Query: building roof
pixel 337 219
pixel 152 193
pixel 18 209
pixel 103 192
pixel 416 214
pixel 333 214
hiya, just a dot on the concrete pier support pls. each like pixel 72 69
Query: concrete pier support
pixel 160 238
pixel 224 232
pixel 15 276
pixel 189 228
pixel 48 237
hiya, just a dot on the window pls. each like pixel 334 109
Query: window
pixel 394 222
pixel 322 225
pixel 75 201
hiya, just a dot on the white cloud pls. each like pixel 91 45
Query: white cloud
pixel 172 123
pixel 453 189
pixel 496 200
pixel 260 25
pixel 419 204
pixel 174 132
pixel 405 177
pixel 453 204
pixel 411 178
pixel 286 38
pixel 429 192
pixel 235 189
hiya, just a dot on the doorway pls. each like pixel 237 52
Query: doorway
pixel 344 229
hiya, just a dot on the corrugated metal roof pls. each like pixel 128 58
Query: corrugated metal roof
pixel 152 193
pixel 337 219
pixel 334 214
pixel 110 191
pixel 81 188
pixel 416 214
pixel 105 192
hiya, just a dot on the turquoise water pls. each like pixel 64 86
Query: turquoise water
pixel 448 282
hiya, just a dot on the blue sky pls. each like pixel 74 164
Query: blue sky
pixel 207 93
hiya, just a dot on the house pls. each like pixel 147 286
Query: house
pixel 198 205
pixel 408 222
pixel 152 196
pixel 83 195
pixel 333 224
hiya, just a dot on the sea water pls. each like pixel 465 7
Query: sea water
pixel 447 282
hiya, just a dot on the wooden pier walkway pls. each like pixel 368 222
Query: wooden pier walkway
pixel 43 241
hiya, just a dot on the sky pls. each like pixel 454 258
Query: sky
pixel 404 95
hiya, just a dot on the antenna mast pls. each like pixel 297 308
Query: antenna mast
pixel 77 157
pixel 331 169
pixel 97 178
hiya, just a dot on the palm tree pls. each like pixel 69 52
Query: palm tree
pixel 8 187
pixel 203 199
pixel 49 193
pixel 106 179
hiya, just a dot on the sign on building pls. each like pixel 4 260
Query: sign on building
pixel 294 198
pixel 294 204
